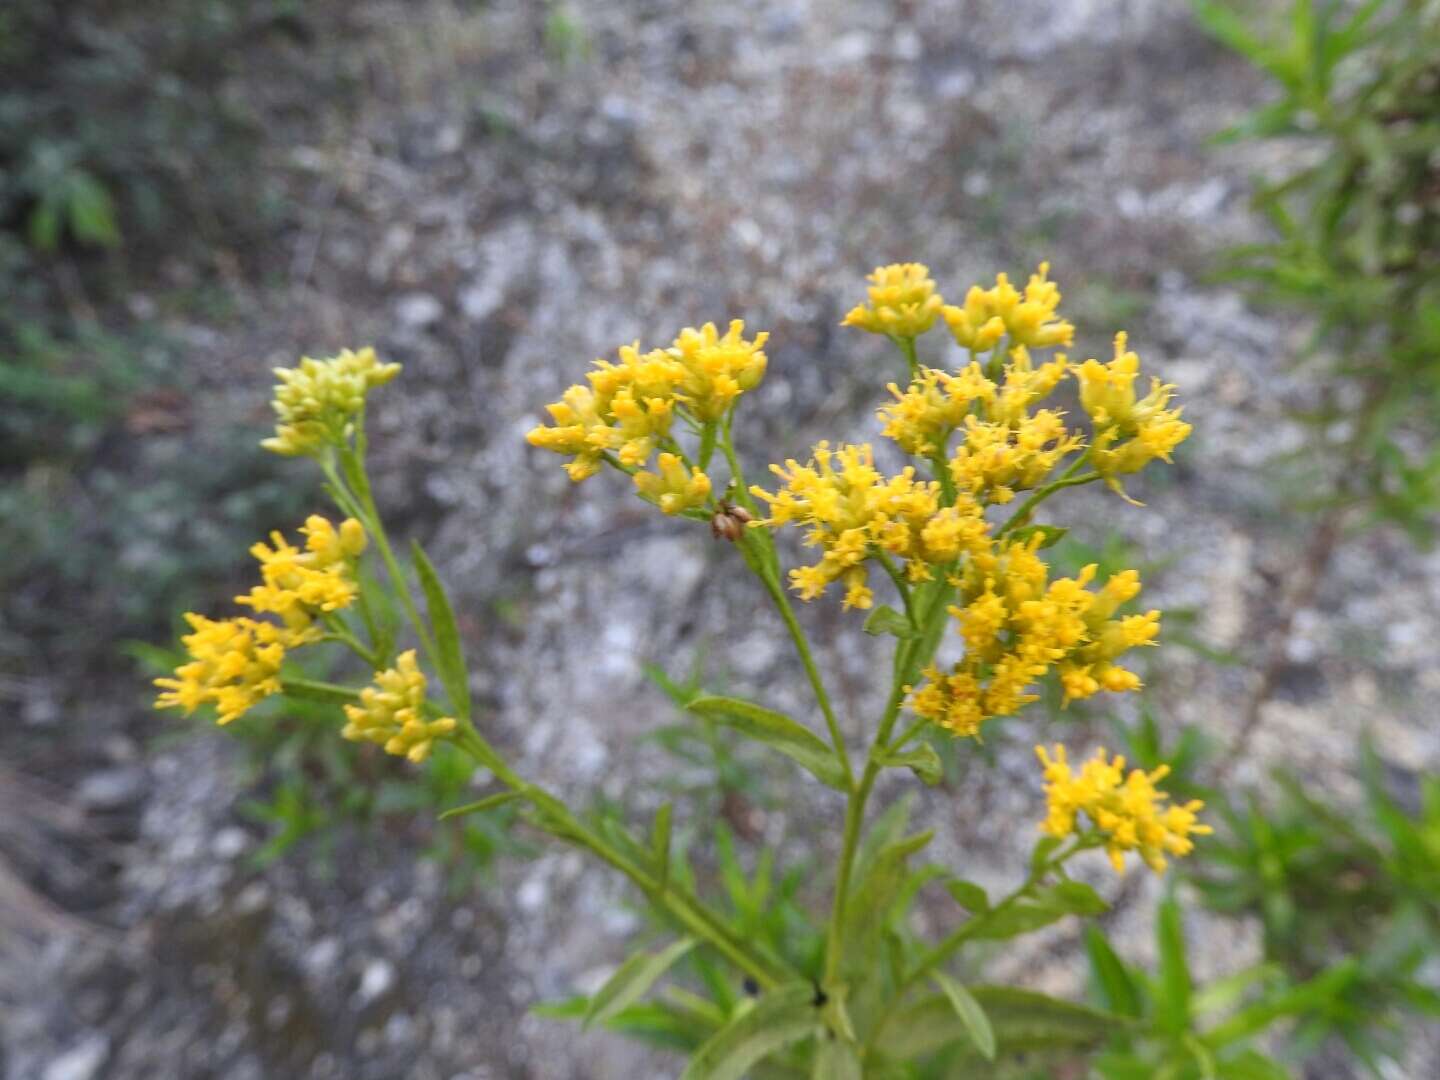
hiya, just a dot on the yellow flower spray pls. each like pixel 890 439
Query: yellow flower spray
pixel 950 537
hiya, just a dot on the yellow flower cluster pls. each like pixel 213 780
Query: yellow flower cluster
pixel 391 713
pixel 628 408
pixel 718 369
pixel 1129 434
pixel 297 585
pixel 316 401
pixel 1005 448
pixel 903 302
pixel 674 488
pixel 1129 811
pixel 1018 625
pixel 998 459
pixel 854 512
pixel 922 418
pixel 1029 319
pixel 235 663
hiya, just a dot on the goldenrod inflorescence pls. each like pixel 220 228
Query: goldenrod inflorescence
pixel 980 435
pixel 1128 811
pixel 316 401
pixel 297 585
pixel 1017 624
pixel 991 315
pixel 854 513
pixel 235 663
pixel 391 713
pixel 903 302
pixel 1129 434
pixel 626 412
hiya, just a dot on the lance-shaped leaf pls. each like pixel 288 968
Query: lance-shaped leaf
pixel 1050 535
pixel 322 692
pixel 969 896
pixel 449 658
pixel 783 1016
pixel 836 1060
pixel 777 730
pixel 922 760
pixel 886 620
pixel 1023 1022
pixel 1117 989
pixel 490 802
pixel 970 1013
pixel 632 979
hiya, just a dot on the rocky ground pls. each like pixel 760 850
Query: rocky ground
pixel 518 196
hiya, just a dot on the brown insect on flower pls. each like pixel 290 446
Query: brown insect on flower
pixel 729 521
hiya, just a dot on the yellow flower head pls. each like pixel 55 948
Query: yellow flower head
pixel 718 369
pixel 626 410
pixel 1129 433
pixel 903 302
pixel 391 713
pixel 675 488
pixel 997 459
pixel 1018 625
pixel 316 401
pixel 299 585
pixel 921 419
pixel 1128 810
pixel 853 512
pixel 234 664
pixel 1029 318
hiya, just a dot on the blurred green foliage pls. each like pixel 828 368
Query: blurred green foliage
pixel 1345 891
pixel 1330 882
pixel 310 791
pixel 133 139
pixel 1357 232
pixel 129 120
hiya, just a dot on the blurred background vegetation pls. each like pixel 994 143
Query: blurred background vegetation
pixel 154 175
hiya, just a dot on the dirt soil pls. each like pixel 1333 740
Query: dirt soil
pixel 517 196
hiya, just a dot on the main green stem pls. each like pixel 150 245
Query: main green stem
pixel 937 956
pixel 907 658
pixel 353 468
pixel 687 910
pixel 764 568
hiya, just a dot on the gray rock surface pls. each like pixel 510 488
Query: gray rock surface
pixel 499 218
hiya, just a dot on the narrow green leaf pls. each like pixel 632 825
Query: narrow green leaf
pixel 450 657
pixel 970 1013
pixel 1173 1000
pixel 323 692
pixel 1012 920
pixel 1224 994
pixel 875 889
pixel 660 842
pixel 1040 855
pixel 886 620
pixel 835 1060
pixel 776 730
pixel 779 1018
pixel 573 1008
pixel 1023 1022
pixel 969 896
pixel 1117 989
pixel 490 802
pixel 1314 994
pixel 922 760
pixel 1050 535
pixel 633 978
pixel 1075 898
